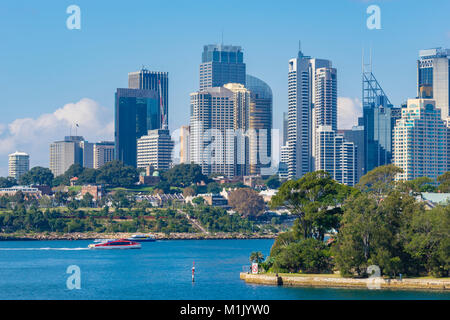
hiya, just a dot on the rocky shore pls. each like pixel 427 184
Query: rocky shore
pixel 121 235
pixel 338 282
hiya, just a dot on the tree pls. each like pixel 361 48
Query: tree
pixel 121 199
pixel 116 174
pixel 429 240
pixel 316 200
pixel 273 182
pixel 307 255
pixel 213 187
pixel 184 175
pixel 444 182
pixel 87 200
pixel 256 257
pixel 379 181
pixel 198 200
pixel 246 202
pixel 37 175
pixel 418 185
pixel 7 182
pixel 60 198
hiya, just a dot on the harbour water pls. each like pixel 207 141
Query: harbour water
pixel 160 270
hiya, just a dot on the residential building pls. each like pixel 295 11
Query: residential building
pixel 103 153
pixel 71 150
pixel 155 150
pixel 18 164
pixel 421 141
pixel 184 144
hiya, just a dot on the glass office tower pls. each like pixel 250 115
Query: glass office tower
pixel 152 80
pixel 433 77
pixel 221 64
pixel 136 112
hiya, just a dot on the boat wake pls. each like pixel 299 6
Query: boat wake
pixel 34 249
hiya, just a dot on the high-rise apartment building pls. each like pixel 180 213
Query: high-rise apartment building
pixel 433 77
pixel 356 135
pixel 18 164
pixel 336 156
pixel 156 81
pixel 136 112
pixel 221 64
pixel 155 150
pixel 103 152
pixel 301 98
pixel 421 141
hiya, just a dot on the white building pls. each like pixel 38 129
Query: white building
pixel 184 144
pixel 18 164
pixel 72 150
pixel 420 141
pixel 103 153
pixel 155 149
pixel 301 97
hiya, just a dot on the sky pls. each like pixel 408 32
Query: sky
pixel 52 77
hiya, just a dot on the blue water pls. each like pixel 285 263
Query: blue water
pixel 160 270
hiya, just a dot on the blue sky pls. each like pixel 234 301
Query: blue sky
pixel 44 66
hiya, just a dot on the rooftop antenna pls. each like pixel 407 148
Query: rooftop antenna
pixel 222 37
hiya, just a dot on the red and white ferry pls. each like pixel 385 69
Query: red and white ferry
pixel 115 244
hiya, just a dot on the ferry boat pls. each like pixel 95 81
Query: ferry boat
pixel 142 238
pixel 116 244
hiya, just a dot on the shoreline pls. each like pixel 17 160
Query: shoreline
pixel 121 235
pixel 322 281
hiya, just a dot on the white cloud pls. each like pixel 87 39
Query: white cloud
pixel 349 110
pixel 35 135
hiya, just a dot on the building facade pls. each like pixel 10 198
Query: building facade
pixel 433 76
pixel 155 150
pixel 103 153
pixel 18 164
pixel 221 64
pixel 156 81
pixel 136 112
pixel 184 144
pixel 421 141
pixel 71 150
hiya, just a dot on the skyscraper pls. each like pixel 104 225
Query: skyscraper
pixel 356 135
pixel 301 98
pixel 221 64
pixel 336 156
pixel 18 164
pixel 379 117
pixel 421 141
pixel 433 77
pixel 136 112
pixel 155 150
pixel 156 81
pixel 285 128
pixel 103 153
pixel 260 125
pixel 71 150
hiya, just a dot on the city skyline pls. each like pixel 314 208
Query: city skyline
pixel 52 108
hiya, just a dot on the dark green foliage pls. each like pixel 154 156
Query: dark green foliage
pixel 7 182
pixel 184 175
pixel 38 176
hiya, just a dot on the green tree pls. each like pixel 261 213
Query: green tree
pixel 429 240
pixel 184 175
pixel 38 176
pixel 116 174
pixel 189 192
pixel 256 257
pixel 213 187
pixel 273 182
pixel 444 182
pixel 316 200
pixel 7 182
pixel 121 199
pixel 380 181
pixel 87 200
pixel 418 185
